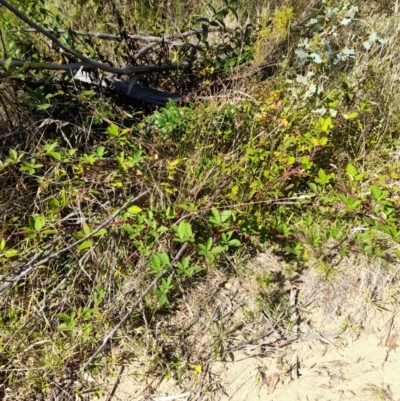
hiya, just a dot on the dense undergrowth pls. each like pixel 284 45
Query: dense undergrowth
pixel 287 138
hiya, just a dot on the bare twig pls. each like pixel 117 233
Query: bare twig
pixel 131 309
pixel 117 380
pixel 138 69
pixel 28 267
pixel 92 63
pixel 143 38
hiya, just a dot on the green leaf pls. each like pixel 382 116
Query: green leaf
pixel 313 187
pixel 100 232
pixel 128 228
pixel 40 221
pixel 11 253
pixel 55 155
pixel 225 215
pixel 88 313
pixel 184 232
pixel 164 258
pixel 113 131
pixel 7 63
pixel 13 154
pixel 101 151
pixel 351 116
pixel 86 229
pixel 351 170
pixel 325 124
pixel 155 263
pixel 50 146
pixel 63 316
pixel 134 210
pixel 376 192
pixel 322 175
pixel 217 249
pixel 2 244
pixel 64 327
pixel 43 106
pixel 86 244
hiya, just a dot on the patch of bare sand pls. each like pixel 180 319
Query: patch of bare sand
pixel 341 349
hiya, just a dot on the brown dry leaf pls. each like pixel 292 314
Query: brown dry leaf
pixel 271 382
pixel 392 341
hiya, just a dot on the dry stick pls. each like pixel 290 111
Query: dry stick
pixel 117 380
pixel 142 38
pixel 31 266
pixel 95 64
pixel 134 306
pixel 138 69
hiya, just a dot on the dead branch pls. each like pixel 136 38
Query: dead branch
pixel 138 69
pixel 91 63
pixel 142 38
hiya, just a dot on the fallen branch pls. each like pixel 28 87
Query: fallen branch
pixel 86 60
pixel 139 69
pixel 142 38
pixel 26 268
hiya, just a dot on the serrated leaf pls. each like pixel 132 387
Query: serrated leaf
pixel 316 58
pixel 367 45
pixel 302 79
pixel 301 54
pixel 351 170
pixel 112 130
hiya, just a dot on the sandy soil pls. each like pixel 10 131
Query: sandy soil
pixel 333 356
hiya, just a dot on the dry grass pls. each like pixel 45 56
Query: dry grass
pixel 238 303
